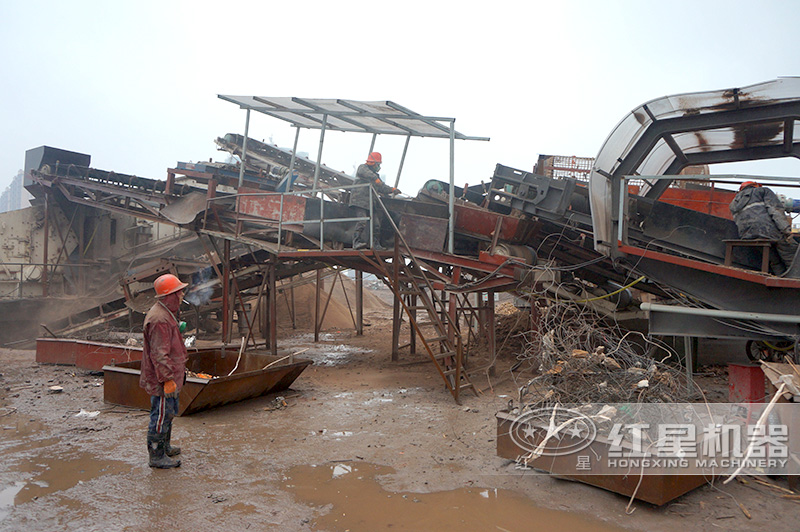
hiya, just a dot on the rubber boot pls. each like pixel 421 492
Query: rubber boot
pixel 156 448
pixel 169 449
pixel 358 239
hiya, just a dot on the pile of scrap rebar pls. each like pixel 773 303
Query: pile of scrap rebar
pixel 583 360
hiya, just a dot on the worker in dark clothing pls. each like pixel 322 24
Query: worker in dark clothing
pixel 367 174
pixel 163 369
pixel 759 214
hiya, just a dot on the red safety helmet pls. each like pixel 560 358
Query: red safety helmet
pixel 168 284
pixel 749 184
pixel 374 157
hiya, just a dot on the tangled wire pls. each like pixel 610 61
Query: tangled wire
pixel 582 359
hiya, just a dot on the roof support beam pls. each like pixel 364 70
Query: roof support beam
pixel 402 160
pixel 386 120
pixel 244 149
pixel 452 199
pixel 319 152
pixel 732 156
pixel 662 128
pixel 788 135
pixel 343 118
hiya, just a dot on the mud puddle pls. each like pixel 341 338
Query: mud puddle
pixel 330 354
pixel 48 474
pixel 348 497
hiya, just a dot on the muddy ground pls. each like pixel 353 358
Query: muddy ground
pixel 364 444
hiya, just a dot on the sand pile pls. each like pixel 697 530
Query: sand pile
pixel 511 326
pixel 338 314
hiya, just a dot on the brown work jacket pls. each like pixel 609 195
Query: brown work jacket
pixel 164 356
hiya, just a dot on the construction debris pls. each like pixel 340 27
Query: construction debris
pixel 581 359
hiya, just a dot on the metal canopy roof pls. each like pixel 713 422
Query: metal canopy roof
pixel 664 135
pixel 378 118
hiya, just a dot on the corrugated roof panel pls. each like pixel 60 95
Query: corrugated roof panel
pixel 382 117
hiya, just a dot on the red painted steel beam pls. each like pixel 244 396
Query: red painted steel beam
pixel 727 271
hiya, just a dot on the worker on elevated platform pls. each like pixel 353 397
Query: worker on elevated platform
pixel 759 214
pixel 163 368
pixel 367 174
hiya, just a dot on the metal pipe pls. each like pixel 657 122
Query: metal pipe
pixel 319 152
pixel 372 144
pixel 452 200
pixel 714 313
pixel 294 156
pixel 402 160
pixel 244 148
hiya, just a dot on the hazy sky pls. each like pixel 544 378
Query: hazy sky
pixel 135 84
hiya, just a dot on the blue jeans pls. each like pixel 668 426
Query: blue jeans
pixel 162 410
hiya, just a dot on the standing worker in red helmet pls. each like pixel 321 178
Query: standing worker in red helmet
pixel 367 174
pixel 163 368
pixel 759 214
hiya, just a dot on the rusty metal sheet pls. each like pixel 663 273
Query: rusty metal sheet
pixel 185 209
pixel 423 232
pixel 481 222
pixel 248 381
pixel 269 206
pixel 83 354
pixel 655 489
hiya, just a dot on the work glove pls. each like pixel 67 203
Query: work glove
pixel 170 389
pixel 395 191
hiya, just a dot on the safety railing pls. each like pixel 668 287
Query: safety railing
pixel 51 266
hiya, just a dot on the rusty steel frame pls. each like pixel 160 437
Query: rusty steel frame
pixel 426 264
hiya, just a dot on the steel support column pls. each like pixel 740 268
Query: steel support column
pixel 359 303
pixel 490 332
pixel 402 160
pixel 396 302
pixel 451 201
pixel 294 313
pixel 319 152
pixel 227 308
pixel 412 341
pixel 452 307
pixel 244 148
pixel 45 250
pixel 273 309
pixel 291 162
pixel 317 323
pixel 263 308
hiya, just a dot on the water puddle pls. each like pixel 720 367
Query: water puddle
pixel 328 352
pixel 351 498
pixel 333 355
pixel 45 475
pixel 7 497
pixel 16 428
pixel 335 435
